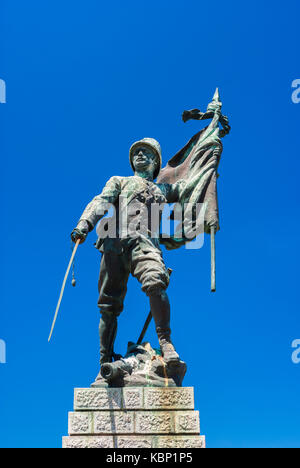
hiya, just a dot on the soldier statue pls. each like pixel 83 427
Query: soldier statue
pixel 139 255
pixel 190 176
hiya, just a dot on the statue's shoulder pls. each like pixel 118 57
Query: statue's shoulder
pixel 132 180
pixel 116 178
pixel 124 182
pixel 119 180
pixel 128 180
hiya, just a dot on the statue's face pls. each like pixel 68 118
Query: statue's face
pixel 144 159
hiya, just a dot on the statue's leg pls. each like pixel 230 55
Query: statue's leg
pixel 160 308
pixel 107 332
pixel 148 267
pixel 114 273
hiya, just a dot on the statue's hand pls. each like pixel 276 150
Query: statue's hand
pixel 79 234
pixel 225 120
pixel 225 124
pixel 214 225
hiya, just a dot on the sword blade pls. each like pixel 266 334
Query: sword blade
pixel 145 328
pixel 63 288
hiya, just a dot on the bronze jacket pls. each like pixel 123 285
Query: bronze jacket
pixel 129 192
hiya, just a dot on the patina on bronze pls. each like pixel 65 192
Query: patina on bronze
pixel 189 177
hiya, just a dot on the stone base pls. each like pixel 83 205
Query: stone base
pixel 134 442
pixel 134 418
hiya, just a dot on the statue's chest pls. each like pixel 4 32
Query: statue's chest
pixel 143 191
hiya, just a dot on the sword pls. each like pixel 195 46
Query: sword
pixel 63 287
pixel 145 328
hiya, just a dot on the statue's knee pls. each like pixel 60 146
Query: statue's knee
pixel 163 295
pixel 159 294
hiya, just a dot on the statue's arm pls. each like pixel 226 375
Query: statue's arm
pixel 97 208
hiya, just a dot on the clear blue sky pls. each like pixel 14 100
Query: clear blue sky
pixel 86 79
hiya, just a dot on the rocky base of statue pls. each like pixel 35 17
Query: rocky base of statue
pixel 134 418
pixel 142 366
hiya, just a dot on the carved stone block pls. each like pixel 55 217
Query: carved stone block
pixel 133 442
pixel 114 422
pixel 91 442
pixel 179 442
pixel 169 398
pixel 156 422
pixel 187 422
pixel 97 399
pixel 133 398
pixel 80 423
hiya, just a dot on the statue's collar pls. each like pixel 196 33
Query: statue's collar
pixel 148 179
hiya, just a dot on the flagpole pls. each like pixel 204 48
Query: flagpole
pixel 213 258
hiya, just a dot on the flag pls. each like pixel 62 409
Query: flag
pixel 196 166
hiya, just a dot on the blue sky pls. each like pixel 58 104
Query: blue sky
pixel 85 80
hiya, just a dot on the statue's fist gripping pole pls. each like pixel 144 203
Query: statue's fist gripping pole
pixel 78 241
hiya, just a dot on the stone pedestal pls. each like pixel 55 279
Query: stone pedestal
pixel 134 417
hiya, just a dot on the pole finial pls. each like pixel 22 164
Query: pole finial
pixel 216 103
pixel 216 97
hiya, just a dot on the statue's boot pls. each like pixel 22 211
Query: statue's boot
pixel 160 308
pixel 108 332
pixel 167 348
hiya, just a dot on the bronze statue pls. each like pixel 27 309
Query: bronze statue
pixel 189 177
pixel 139 255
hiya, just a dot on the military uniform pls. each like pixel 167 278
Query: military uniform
pixel 135 253
pixel 140 254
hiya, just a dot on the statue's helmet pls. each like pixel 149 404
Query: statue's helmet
pixel 154 146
